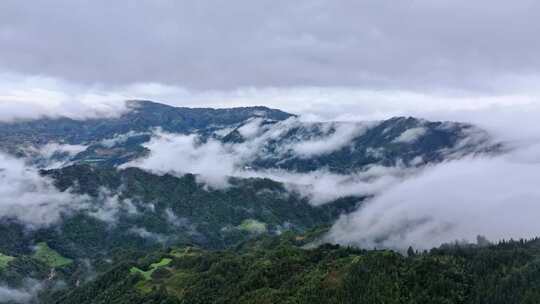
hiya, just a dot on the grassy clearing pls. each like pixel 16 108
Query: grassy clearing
pixel 153 267
pixel 49 256
pixel 4 260
pixel 253 226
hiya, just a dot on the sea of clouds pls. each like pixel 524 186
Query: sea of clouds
pixel 495 196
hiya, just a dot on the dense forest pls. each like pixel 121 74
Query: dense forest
pixel 103 228
pixel 283 270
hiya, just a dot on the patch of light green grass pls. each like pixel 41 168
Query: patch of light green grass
pixel 49 256
pixel 147 275
pixel 253 226
pixel 4 260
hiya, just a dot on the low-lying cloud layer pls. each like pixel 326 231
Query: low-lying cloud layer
pixel 14 295
pixel 215 162
pixel 30 198
pixel 33 200
pixel 28 96
pixel 497 197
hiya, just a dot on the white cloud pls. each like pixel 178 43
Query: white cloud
pixel 33 200
pixel 145 234
pixel 214 163
pixel 341 136
pixel 322 186
pixel 24 294
pixel 492 196
pixel 52 155
pixel 251 129
pixel 496 197
pixel 185 154
pixel 119 139
pixel 30 198
pixel 109 205
pixel 14 295
pixel 27 96
pixel 31 97
pixel 411 135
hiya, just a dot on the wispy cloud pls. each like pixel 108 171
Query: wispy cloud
pixel 493 196
pixel 30 198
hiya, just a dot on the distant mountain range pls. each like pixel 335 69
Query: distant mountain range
pixel 114 210
pixel 275 139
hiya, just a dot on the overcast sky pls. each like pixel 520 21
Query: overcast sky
pixel 408 44
pixel 337 59
pixel 476 61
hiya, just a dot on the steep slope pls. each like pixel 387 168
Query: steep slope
pixel 141 117
pixel 29 137
pixel 135 208
pixel 258 138
pixel 346 147
pixel 278 271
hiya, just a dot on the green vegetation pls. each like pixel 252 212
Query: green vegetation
pixel 278 270
pixel 253 226
pixel 4 261
pixel 153 267
pixel 49 256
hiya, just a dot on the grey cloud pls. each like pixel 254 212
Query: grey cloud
pixel 420 44
pixel 214 163
pixel 30 198
pixel 24 294
pixel 497 197
pixel 14 295
pixel 33 200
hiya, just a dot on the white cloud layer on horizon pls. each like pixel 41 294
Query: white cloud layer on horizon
pixel 30 97
pixel 495 197
pixel 452 44
pixel 512 118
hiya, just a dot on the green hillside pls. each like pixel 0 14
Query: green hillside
pixel 279 271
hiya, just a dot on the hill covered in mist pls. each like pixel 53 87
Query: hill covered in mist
pixel 78 197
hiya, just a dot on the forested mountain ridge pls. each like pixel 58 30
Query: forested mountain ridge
pixel 261 139
pixel 85 196
pixel 278 271
pixel 130 210
pixel 140 116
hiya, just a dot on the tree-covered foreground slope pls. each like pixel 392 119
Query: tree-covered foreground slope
pixel 278 270
pixel 113 211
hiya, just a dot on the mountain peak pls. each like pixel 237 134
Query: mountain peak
pixel 142 104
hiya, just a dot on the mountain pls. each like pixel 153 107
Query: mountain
pixel 346 147
pixel 260 138
pixel 279 271
pixel 114 211
pixel 141 116
pixel 86 208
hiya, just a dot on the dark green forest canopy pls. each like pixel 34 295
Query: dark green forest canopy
pixel 278 270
